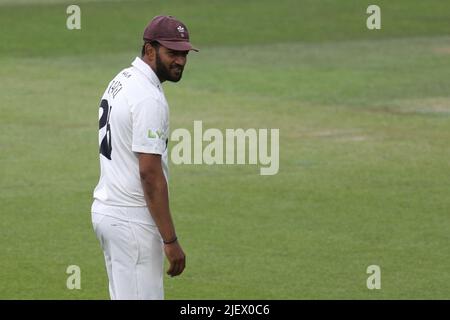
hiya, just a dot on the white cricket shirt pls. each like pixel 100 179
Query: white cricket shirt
pixel 133 118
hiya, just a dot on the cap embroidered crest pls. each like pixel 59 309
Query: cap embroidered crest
pixel 181 31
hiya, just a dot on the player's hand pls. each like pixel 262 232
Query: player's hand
pixel 176 257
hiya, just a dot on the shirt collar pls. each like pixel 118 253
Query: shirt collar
pixel 139 64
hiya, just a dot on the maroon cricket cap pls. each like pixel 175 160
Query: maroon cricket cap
pixel 169 32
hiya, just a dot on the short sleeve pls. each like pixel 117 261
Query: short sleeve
pixel 149 127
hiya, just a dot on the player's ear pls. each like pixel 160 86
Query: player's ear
pixel 149 51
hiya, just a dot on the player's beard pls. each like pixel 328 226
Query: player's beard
pixel 170 73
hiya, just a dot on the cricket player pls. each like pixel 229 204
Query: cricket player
pixel 130 212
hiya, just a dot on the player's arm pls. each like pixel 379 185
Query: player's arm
pixel 157 197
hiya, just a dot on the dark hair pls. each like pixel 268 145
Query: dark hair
pixel 153 43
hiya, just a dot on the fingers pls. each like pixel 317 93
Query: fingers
pixel 171 269
pixel 177 266
pixel 181 265
pixel 176 257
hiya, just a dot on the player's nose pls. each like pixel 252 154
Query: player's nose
pixel 181 60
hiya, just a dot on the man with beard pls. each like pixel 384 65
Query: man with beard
pixel 130 212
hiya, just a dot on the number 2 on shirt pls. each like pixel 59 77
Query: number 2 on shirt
pixel 105 133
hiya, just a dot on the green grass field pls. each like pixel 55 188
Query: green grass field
pixel 364 119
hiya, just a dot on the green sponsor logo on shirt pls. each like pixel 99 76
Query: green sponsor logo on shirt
pixel 153 134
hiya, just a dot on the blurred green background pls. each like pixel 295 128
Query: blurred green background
pixel 364 121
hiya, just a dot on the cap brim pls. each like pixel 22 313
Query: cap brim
pixel 177 45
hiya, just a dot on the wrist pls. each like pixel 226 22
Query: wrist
pixel 170 241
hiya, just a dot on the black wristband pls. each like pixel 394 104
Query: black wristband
pixel 171 241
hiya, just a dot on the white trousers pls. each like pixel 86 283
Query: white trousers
pixel 134 258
